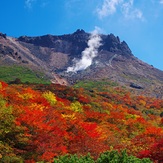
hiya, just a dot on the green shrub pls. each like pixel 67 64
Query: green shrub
pixel 74 159
pixel 11 159
pixel 106 157
pixel 98 85
pixel 8 135
pixel 115 157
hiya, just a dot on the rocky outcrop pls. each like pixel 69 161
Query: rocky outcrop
pixel 54 54
pixel 75 43
pixel 2 35
pixel 136 86
pixel 6 50
pixel 72 44
pixel 112 44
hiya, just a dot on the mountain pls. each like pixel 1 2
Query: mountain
pixel 54 54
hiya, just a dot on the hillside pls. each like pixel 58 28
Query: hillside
pixel 41 122
pixel 54 105
pixel 54 55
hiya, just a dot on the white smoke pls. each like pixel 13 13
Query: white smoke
pixel 88 54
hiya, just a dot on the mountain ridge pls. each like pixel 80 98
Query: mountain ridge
pixel 54 54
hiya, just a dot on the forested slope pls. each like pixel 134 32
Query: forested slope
pixel 41 122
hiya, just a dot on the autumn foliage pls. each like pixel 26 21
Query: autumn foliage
pixel 41 122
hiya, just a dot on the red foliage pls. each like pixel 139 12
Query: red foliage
pixel 64 101
pixel 155 152
pixel 83 99
pixel 161 121
pixel 85 138
pixel 106 120
pixel 47 132
pixel 3 84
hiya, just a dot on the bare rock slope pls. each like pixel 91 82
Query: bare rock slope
pixel 54 54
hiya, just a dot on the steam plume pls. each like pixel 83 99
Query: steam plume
pixel 88 54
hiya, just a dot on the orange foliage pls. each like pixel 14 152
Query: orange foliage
pixel 68 120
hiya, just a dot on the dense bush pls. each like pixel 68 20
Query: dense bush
pixel 42 122
pixel 106 157
pixel 115 157
pixel 74 159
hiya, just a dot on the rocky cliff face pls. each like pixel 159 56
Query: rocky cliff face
pixel 75 43
pixel 54 54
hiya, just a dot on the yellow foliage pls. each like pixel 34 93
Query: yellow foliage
pixel 108 106
pixel 69 116
pixel 50 97
pixel 107 112
pixel 35 106
pixel 103 133
pixel 25 96
pixel 132 116
pixel 76 107
pixel 142 102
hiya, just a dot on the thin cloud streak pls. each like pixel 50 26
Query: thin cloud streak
pixel 161 1
pixel 28 3
pixel 110 7
pixel 130 12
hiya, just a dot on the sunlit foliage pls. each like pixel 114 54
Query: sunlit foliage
pixel 43 122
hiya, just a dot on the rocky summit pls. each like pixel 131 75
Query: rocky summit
pixel 53 55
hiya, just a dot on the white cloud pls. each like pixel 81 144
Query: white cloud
pixel 108 8
pixel 128 10
pixel 161 1
pixel 29 3
pixel 88 54
pixel 41 3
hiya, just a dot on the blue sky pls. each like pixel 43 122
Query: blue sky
pixel 138 22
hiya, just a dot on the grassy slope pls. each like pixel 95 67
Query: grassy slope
pixel 98 85
pixel 10 73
